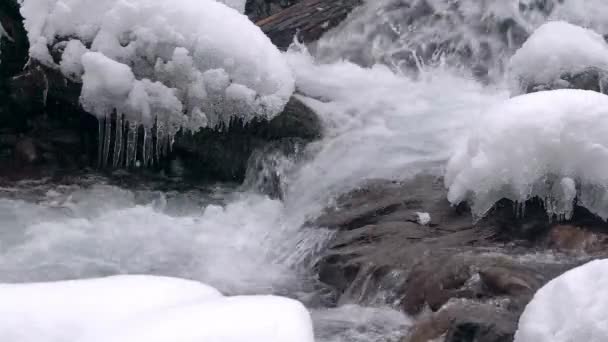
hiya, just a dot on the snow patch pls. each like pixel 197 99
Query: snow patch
pixel 554 50
pixel 552 145
pixel 63 311
pixel 569 308
pixel 423 218
pixel 145 308
pixel 231 319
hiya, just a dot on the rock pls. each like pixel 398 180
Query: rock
pixel 26 151
pixel 569 238
pixel 380 255
pixel 309 19
pixel 462 321
pixel 222 155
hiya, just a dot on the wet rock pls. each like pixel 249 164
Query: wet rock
pixel 381 255
pixel 26 151
pixel 309 19
pixel 569 238
pixel 222 155
pixel 464 321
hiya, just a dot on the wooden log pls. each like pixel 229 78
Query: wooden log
pixel 309 19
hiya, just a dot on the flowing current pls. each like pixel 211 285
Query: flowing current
pixel 395 86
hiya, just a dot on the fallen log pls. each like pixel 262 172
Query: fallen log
pixel 309 19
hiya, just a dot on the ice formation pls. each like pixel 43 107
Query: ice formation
pixel 552 145
pixel 554 50
pixel 145 308
pixel 165 65
pixel 569 308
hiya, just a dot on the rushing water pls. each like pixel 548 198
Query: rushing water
pixel 382 119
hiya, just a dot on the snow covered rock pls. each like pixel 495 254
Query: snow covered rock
pixel 233 319
pixel 64 310
pixel 552 145
pixel 168 64
pixel 560 55
pixel 145 308
pixel 569 308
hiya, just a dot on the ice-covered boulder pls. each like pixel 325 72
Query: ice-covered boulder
pixel 560 55
pixel 571 307
pixel 551 144
pixel 145 308
pixel 164 64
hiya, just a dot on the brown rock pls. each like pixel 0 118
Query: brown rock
pixel 568 238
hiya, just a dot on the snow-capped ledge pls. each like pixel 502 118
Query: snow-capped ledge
pixel 174 64
pixel 551 144
pixel 555 54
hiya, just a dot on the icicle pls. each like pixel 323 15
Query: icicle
pixel 148 146
pixel 135 133
pixel 159 135
pixel 118 140
pixel 131 144
pixel 144 148
pixel 107 139
pixel 99 142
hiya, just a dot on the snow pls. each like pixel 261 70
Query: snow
pixel 552 145
pixel 571 307
pixel 556 49
pixel 63 311
pixel 180 62
pixel 145 308
pixel 232 319
pixel 423 218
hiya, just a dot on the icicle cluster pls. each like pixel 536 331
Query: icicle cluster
pixel 158 66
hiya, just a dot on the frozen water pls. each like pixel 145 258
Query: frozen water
pixel 569 308
pixel 171 65
pixel 551 144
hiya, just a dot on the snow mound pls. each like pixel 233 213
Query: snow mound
pixel 557 49
pixel 233 319
pixel 552 145
pixel 571 307
pixel 64 310
pixel 179 64
pixel 145 308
